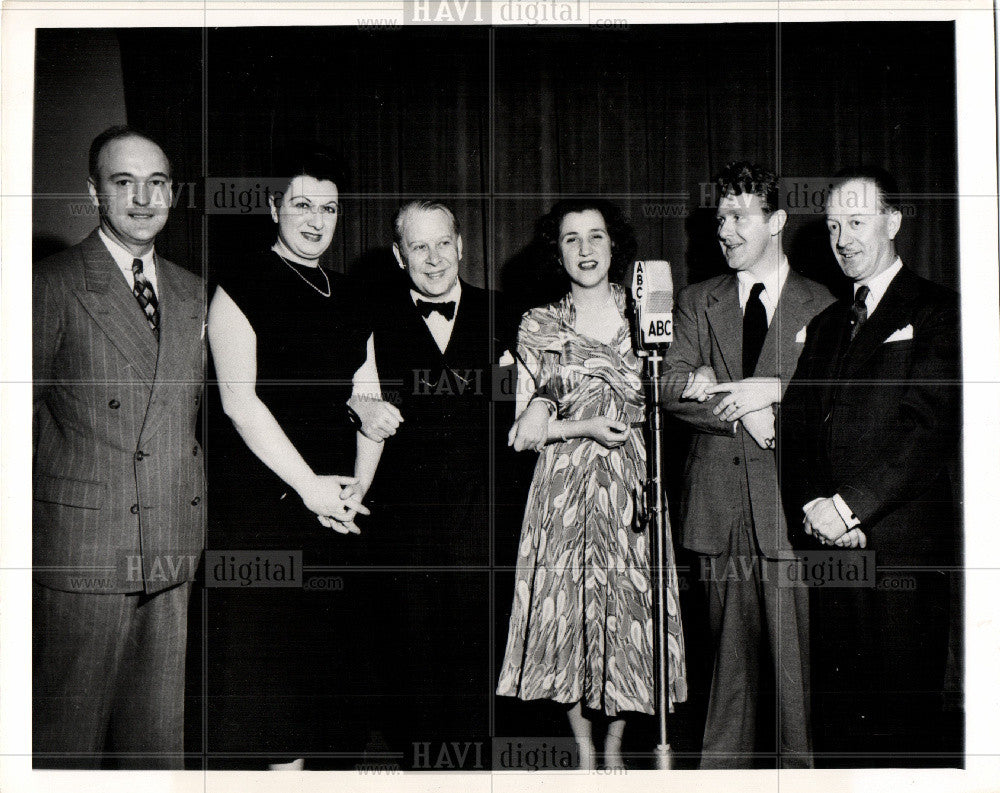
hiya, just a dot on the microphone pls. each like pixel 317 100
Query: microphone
pixel 653 304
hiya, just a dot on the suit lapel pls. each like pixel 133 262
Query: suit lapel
pixel 180 320
pixel 111 304
pixel 779 352
pixel 891 314
pixel 726 322
pixel 467 313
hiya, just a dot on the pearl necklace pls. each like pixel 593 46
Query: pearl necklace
pixel 295 270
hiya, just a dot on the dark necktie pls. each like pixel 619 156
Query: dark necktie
pixel 859 310
pixel 754 330
pixel 446 310
pixel 143 291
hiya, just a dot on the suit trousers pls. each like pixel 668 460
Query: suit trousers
pixel 108 670
pixel 879 668
pixel 746 598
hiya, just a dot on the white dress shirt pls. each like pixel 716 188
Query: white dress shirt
pixel 123 258
pixel 878 285
pixel 440 327
pixel 773 284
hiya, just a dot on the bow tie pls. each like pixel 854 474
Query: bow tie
pixel 446 310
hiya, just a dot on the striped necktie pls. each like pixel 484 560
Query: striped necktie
pixel 859 310
pixel 143 291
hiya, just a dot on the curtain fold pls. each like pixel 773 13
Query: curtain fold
pixel 644 116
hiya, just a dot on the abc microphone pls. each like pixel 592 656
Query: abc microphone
pixel 653 301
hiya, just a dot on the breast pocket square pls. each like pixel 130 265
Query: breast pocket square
pixel 800 337
pixel 903 334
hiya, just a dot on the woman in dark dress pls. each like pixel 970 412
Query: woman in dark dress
pixel 288 352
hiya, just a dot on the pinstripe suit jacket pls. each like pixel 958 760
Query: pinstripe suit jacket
pixel 118 478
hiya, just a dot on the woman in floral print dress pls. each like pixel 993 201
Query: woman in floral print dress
pixel 581 627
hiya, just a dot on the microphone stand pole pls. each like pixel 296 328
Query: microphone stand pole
pixel 657 508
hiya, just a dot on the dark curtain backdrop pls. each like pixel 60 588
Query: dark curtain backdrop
pixel 649 114
pixel 162 71
pixel 503 122
pixel 408 111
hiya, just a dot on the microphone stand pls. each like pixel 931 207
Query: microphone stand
pixel 657 518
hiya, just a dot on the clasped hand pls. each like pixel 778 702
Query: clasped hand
pixel 745 396
pixel 531 430
pixel 823 521
pixel 379 419
pixel 760 426
pixel 336 500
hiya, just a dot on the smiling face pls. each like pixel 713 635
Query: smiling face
pixel 306 218
pixel 749 237
pixel 862 230
pixel 585 248
pixel 132 191
pixel 429 251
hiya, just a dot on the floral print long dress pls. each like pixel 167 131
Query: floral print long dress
pixel 581 624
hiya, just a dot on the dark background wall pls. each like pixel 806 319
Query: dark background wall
pixel 501 123
pixel 78 92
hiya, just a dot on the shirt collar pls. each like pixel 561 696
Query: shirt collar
pixel 879 284
pixel 773 282
pixel 453 294
pixel 122 256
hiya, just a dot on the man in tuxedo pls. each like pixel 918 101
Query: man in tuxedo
pixel 436 342
pixel 118 482
pixel 737 338
pixel 868 429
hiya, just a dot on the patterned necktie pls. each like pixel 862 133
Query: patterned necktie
pixel 446 310
pixel 859 310
pixel 754 329
pixel 143 291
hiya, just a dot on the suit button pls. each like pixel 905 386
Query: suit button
pixel 134 509
pixel 140 455
pixel 736 461
pixel 114 404
pixel 195 501
pixel 194 450
pixel 197 401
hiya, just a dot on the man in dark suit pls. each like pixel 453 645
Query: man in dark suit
pixel 436 342
pixel 737 338
pixel 118 482
pixel 869 427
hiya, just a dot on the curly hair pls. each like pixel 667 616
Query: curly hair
pixel 746 178
pixel 308 158
pixel 623 244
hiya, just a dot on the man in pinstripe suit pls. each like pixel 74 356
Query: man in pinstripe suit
pixel 118 480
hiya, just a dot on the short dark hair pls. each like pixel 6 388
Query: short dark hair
pixel 425 205
pixel 744 177
pixel 885 184
pixel 310 159
pixel 623 244
pixel 114 133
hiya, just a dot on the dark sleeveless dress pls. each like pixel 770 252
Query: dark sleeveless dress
pixel 285 673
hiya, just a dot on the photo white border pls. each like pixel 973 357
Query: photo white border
pixel 980 287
